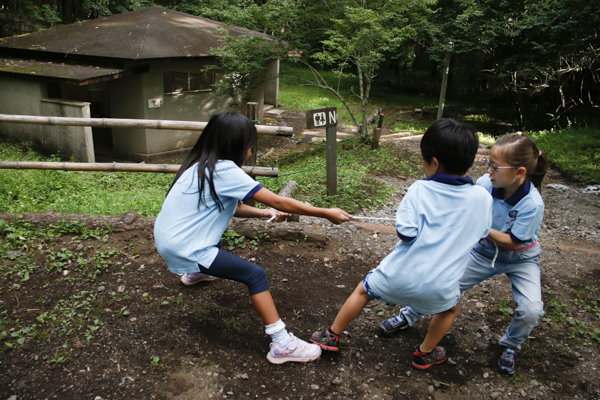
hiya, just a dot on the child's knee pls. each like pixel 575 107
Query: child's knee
pixel 529 311
pixel 257 280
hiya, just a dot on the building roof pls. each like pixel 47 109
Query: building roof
pixel 48 69
pixel 149 33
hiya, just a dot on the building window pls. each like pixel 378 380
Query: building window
pixel 181 82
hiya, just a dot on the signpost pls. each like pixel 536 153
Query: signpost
pixel 327 118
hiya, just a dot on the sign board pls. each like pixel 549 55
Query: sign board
pixel 155 102
pixel 321 118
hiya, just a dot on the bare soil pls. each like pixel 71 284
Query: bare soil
pixel 157 339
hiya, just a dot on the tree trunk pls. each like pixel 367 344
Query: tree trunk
pixel 67 11
pixel 440 113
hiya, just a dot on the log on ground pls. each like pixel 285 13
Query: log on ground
pixel 131 220
pixel 283 230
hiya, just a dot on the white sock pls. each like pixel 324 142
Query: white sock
pixel 278 333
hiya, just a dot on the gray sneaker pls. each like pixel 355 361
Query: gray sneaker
pixel 393 325
pixel 192 279
pixel 507 361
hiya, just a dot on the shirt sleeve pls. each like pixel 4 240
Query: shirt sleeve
pixel 406 216
pixel 527 224
pixel 234 183
pixel 485 182
pixel 489 215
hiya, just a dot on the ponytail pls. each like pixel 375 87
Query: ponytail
pixel 537 175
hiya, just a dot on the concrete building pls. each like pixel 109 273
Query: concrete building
pixel 144 64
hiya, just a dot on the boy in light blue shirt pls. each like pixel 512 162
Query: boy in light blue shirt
pixel 438 221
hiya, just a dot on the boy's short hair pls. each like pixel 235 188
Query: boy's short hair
pixel 453 143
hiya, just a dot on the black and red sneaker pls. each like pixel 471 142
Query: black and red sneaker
pixel 326 339
pixel 426 360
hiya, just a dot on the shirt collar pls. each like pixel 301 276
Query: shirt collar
pixel 515 198
pixel 450 179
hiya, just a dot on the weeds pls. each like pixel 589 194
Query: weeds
pixel 234 240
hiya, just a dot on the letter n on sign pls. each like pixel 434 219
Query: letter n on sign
pixel 321 118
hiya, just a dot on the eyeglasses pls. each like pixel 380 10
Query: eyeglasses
pixel 494 166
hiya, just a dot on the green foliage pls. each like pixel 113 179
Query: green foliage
pixel 574 151
pixel 299 97
pixel 243 64
pixel 234 240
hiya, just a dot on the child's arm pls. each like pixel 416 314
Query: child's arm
pixel 292 206
pixel 503 239
pixel 246 211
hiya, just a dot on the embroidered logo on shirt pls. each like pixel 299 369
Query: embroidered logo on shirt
pixel 512 213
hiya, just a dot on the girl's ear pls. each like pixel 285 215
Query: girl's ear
pixel 521 173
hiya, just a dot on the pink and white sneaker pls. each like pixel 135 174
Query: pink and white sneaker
pixel 192 279
pixel 297 350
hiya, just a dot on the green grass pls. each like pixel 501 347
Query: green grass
pixel 99 193
pixel 105 193
pixel 357 187
pixel 574 151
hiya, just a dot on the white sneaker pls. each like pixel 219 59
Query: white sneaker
pixel 297 350
pixel 192 279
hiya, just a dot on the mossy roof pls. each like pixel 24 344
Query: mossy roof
pixel 146 34
pixel 50 69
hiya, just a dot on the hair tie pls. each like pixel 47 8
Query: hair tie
pixel 540 154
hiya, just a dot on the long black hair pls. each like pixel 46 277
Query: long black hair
pixel 227 136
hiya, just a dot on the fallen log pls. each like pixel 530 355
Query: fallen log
pixel 282 230
pixel 131 220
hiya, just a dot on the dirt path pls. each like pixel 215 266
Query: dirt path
pixel 118 325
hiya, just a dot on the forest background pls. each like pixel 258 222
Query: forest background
pixel 534 61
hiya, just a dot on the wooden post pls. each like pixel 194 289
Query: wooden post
pixel 331 157
pixel 377 132
pixel 252 114
pixel 440 112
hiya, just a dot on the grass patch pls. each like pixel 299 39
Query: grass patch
pixel 574 151
pixel 107 193
pixel 99 193
pixel 357 187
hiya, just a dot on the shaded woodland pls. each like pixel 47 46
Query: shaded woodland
pixel 532 62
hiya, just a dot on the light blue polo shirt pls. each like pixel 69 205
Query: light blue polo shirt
pixel 439 220
pixel 186 234
pixel 520 215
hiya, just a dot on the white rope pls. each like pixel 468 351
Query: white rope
pixel 381 219
pixel 495 255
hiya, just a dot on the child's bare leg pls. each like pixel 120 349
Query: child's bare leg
pixel 263 303
pixel 351 309
pixel 439 326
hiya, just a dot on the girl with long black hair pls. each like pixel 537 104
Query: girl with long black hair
pixel 206 193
